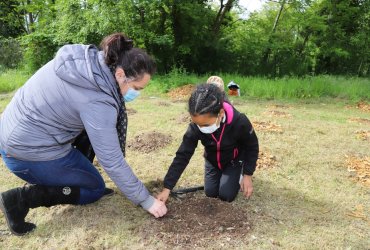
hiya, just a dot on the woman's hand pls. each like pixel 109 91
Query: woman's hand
pixel 158 209
pixel 246 186
pixel 163 196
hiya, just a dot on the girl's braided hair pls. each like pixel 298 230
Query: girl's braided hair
pixel 206 99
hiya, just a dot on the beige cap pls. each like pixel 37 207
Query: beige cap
pixel 216 80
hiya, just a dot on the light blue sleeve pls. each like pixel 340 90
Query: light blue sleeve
pixel 99 120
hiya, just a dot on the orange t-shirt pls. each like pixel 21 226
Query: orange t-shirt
pixel 233 92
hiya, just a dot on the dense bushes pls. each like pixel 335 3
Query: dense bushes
pixel 38 50
pixel 10 53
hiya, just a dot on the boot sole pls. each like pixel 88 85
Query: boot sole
pixel 2 208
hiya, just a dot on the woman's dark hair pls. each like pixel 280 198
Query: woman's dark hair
pixel 119 52
pixel 206 99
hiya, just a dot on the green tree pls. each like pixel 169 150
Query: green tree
pixel 11 21
pixel 344 47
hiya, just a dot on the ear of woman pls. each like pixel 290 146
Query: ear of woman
pixel 120 75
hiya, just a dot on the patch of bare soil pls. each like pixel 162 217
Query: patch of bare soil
pixel 363 106
pixel 276 113
pixel 184 118
pixel 363 135
pixel 267 127
pixel 181 93
pixel 278 106
pixel 360 120
pixel 266 160
pixel 359 168
pixel 130 111
pixel 198 221
pixel 163 104
pixel 149 142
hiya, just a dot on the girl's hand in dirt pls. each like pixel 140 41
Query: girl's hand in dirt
pixel 246 186
pixel 163 196
pixel 158 209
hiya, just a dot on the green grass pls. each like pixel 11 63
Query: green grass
pixel 301 203
pixel 309 88
pixel 292 88
pixel 11 80
pixel 306 88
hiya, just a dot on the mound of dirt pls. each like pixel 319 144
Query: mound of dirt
pixel 130 111
pixel 363 135
pixel 359 168
pixel 265 160
pixel 197 220
pixel 267 126
pixel 148 142
pixel 363 106
pixel 181 93
pixel 276 113
pixel 360 120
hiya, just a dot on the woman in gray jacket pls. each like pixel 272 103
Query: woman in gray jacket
pixel 81 89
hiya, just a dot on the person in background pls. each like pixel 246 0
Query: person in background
pixel 230 142
pixel 82 90
pixel 234 89
pixel 216 80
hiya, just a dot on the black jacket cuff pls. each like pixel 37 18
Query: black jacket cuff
pixel 248 170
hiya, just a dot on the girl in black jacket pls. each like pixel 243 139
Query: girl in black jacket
pixel 231 146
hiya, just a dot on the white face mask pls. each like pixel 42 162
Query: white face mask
pixel 209 129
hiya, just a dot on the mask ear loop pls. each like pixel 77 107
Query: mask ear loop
pixel 127 81
pixel 218 116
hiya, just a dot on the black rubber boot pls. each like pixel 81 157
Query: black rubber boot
pixel 15 203
pixel 15 210
pixel 45 196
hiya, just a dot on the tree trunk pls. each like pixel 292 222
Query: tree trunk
pixel 224 9
pixel 266 55
pixel 278 16
pixel 219 12
pixel 29 19
pixel 176 26
pixel 359 71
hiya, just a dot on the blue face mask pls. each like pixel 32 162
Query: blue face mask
pixel 131 95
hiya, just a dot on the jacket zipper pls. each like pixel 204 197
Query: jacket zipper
pixel 219 147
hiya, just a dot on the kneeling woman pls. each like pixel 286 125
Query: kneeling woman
pixel 231 146
pixel 81 89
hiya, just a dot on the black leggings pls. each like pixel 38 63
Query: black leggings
pixel 222 184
